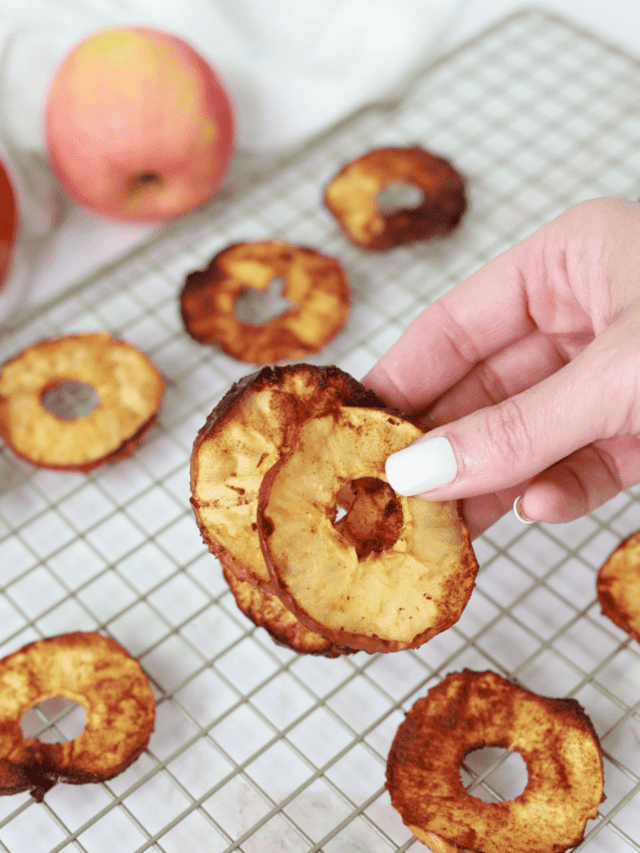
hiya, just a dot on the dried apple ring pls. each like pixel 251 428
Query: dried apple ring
pixel 268 612
pixel 468 710
pixel 618 586
pixel 352 197
pixel 93 671
pixel 245 434
pixel 128 385
pixel 413 578
pixel 316 285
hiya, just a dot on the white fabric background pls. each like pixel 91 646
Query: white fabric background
pixel 292 68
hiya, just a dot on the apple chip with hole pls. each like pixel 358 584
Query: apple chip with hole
pixel 245 434
pixel 127 386
pixel 469 710
pixel 391 573
pixel 92 671
pixel 315 286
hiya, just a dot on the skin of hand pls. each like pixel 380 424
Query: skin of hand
pixel 531 370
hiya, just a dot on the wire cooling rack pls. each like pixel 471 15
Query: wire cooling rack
pixel 255 748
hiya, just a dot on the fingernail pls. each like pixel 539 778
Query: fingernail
pixel 519 514
pixel 422 466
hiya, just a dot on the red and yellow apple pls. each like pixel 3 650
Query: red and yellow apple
pixel 138 125
pixel 8 223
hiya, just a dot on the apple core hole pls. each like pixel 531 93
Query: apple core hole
pixel 255 307
pixel 340 513
pixel 68 400
pixel 368 514
pixel 492 774
pixel 399 197
pixel 55 720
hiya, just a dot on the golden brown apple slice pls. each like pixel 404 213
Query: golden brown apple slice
pixel 469 710
pixel 93 671
pixel 268 612
pixel 353 197
pixel 414 576
pixel 315 286
pixel 245 434
pixel 618 586
pixel 128 387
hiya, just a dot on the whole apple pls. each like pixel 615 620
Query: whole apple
pixel 8 224
pixel 138 126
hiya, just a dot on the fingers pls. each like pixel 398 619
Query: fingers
pixel 532 364
pixel 477 318
pixel 482 511
pixel 583 481
pixel 593 397
pixel 498 377
pixel 546 283
pixel 564 492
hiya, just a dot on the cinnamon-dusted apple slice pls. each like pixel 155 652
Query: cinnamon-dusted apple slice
pixel 394 571
pixel 618 586
pixel 469 710
pixel 267 611
pixel 245 434
pixel 92 671
pixel 315 285
pixel 128 387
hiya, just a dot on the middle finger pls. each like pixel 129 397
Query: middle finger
pixel 502 375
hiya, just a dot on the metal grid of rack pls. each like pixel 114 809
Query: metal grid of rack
pixel 258 749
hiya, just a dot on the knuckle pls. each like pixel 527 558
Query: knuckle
pixel 510 434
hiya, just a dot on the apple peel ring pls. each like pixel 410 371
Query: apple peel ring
pixel 618 586
pixel 392 573
pixel 267 611
pixel 244 435
pixel 315 283
pixel 468 710
pixel 129 387
pixel 352 197
pixel 94 671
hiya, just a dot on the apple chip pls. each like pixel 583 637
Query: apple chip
pixel 315 284
pixel 245 434
pixel 353 197
pixel 469 710
pixel 389 575
pixel 129 389
pixel 96 673
pixel 618 586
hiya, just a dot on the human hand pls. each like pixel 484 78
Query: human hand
pixel 528 373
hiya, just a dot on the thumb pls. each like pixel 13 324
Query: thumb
pixel 501 446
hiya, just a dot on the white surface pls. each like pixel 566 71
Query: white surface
pixel 617 21
pixel 84 242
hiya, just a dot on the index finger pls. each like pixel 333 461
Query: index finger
pixel 478 317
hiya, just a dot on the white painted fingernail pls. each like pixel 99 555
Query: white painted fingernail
pixel 519 514
pixel 422 466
